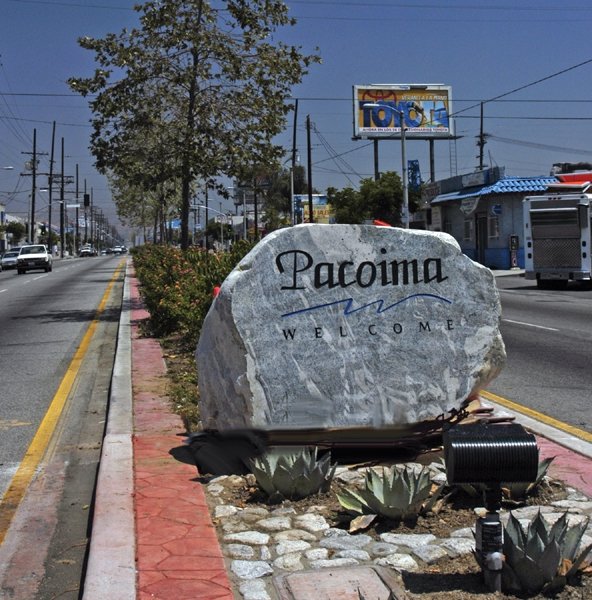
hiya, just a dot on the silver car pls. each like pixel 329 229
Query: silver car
pixel 8 260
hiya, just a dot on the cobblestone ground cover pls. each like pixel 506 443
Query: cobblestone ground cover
pixel 433 554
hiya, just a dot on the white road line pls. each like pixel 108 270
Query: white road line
pixel 530 325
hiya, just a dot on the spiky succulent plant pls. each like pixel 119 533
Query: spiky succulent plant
pixel 519 491
pixel 514 492
pixel 399 493
pixel 293 474
pixel 543 556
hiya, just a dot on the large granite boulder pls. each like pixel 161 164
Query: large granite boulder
pixel 348 326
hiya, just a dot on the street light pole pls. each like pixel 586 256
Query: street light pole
pixel 222 222
pixel 403 158
pixel 404 171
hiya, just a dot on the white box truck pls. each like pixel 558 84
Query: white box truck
pixel 557 233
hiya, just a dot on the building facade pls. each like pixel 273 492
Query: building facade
pixel 483 212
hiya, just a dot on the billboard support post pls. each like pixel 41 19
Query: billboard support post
pixel 404 176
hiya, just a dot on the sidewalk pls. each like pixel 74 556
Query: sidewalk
pixel 153 535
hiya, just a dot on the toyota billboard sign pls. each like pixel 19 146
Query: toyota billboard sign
pixel 425 108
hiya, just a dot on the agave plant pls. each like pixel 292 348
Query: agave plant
pixel 542 557
pixel 396 494
pixel 293 474
pixel 519 491
pixel 514 492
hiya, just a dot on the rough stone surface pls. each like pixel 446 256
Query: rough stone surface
pixel 250 569
pixel 254 589
pixel 348 326
pixel 399 562
pixel 429 554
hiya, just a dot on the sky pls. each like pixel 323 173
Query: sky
pixel 528 62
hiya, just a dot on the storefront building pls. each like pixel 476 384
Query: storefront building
pixel 483 212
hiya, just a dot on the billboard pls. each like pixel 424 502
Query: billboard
pixel 321 210
pixel 425 108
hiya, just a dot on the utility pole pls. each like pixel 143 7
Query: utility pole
pixel 77 234
pixel 309 168
pixel 482 140
pixel 92 236
pixel 49 245
pixel 32 230
pixel 62 206
pixel 86 200
pixel 293 167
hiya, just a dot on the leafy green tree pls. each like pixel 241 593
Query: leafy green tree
pixel 347 204
pixel 383 198
pixel 207 87
pixel 18 231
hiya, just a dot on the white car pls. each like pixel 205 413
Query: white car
pixel 35 256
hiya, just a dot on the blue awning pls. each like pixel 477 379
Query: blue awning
pixel 507 185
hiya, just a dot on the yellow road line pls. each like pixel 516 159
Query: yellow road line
pixel 579 433
pixel 36 450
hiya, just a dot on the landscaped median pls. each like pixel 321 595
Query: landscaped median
pixel 408 519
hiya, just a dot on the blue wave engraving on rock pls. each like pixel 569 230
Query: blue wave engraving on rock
pixel 379 304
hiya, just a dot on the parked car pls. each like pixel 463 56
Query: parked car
pixel 35 256
pixel 8 260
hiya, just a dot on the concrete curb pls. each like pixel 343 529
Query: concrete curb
pixel 562 438
pixel 111 569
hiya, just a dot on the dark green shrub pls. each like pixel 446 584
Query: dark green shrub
pixel 178 287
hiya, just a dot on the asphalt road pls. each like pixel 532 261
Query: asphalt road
pixel 46 320
pixel 548 337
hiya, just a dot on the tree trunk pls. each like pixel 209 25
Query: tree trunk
pixel 186 174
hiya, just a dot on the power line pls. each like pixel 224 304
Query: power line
pixel 448 7
pixel 42 94
pixel 73 5
pixel 45 122
pixel 527 85
pixel 538 146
